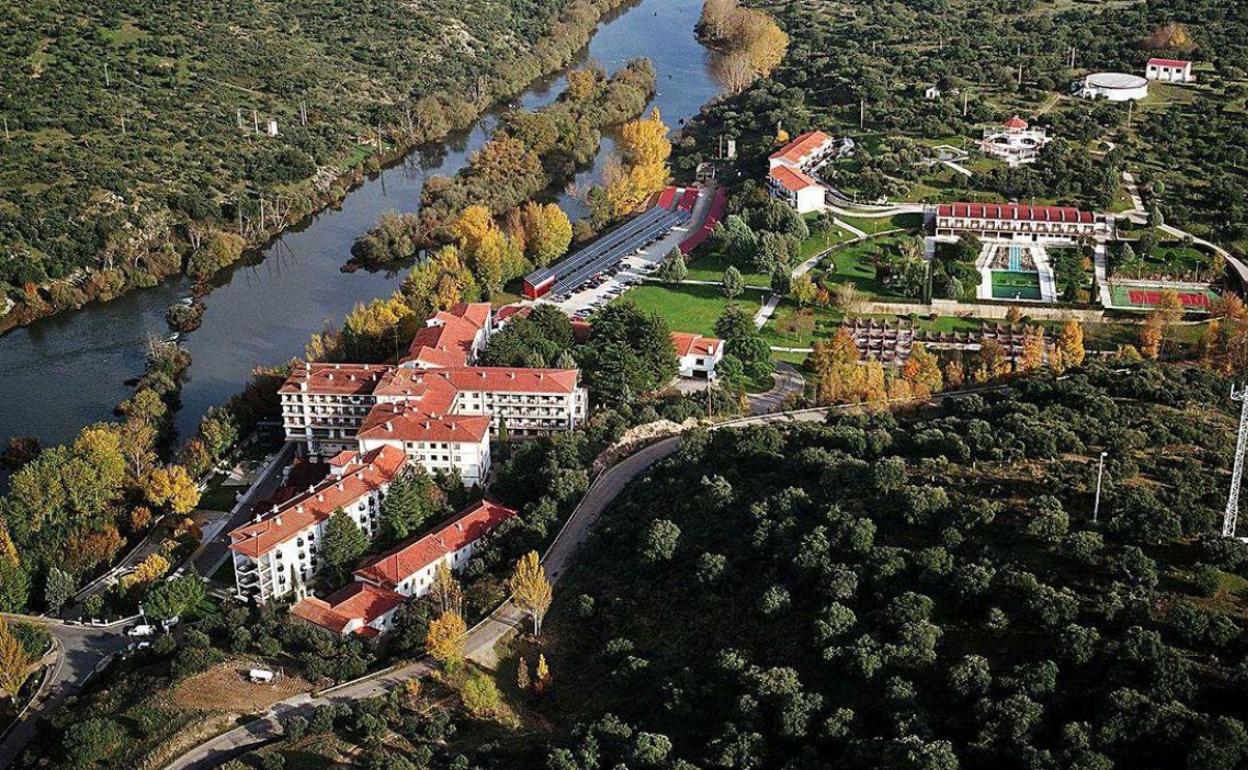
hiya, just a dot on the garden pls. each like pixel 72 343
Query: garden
pixel 1015 284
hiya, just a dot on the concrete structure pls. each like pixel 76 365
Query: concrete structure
pixel 1169 70
pixel 277 553
pixel 1114 86
pixel 795 188
pixel 1014 141
pixel 698 355
pixel 1012 222
pixel 367 606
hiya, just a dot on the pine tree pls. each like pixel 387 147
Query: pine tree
pixel 344 542
pixel 522 676
pixel 411 501
pixel 14 661
pixel 530 589
pixel 733 284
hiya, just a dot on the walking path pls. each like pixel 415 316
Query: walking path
pixel 1100 269
pixel 787 381
pixel 958 167
pixel 850 228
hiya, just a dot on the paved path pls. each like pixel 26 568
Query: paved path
pixel 958 167
pixel 213 552
pixel 787 381
pixel 1100 269
pixel 850 228
pixel 82 649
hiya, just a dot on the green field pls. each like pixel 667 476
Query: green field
pixel 690 308
pixel 1011 284
pixel 873 225
pixel 1144 297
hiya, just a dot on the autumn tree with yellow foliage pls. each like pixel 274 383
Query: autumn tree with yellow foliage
pixel 641 169
pixel 14 661
pixel 530 589
pixel 841 379
pixel 148 571
pixel 490 254
pixel 445 639
pixel 1068 350
pixel 547 232
pixel 1031 357
pixel 922 371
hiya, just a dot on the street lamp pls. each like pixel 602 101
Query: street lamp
pixel 1100 473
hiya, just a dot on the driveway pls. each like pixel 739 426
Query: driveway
pixel 787 381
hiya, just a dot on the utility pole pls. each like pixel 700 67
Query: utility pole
pixel 238 118
pixel 303 112
pixel 6 128
pixel 966 98
pixel 1237 469
pixel 107 83
pixel 862 114
pixel 255 121
pixel 1100 473
pixel 123 125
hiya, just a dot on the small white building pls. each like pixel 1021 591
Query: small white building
pixel 698 355
pixel 932 93
pixel 1015 142
pixel 795 188
pixel 1114 87
pixel 270 128
pixel 1169 70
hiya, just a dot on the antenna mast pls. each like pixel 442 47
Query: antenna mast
pixel 1237 470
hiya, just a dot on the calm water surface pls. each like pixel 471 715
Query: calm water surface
pixel 64 372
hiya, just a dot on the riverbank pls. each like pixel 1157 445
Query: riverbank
pixel 67 371
pixel 327 186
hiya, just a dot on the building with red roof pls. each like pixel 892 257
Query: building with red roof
pixel 277 553
pixel 409 567
pixel 796 188
pixel 805 151
pixel 1169 70
pixel 359 608
pixel 1015 141
pixel 447 443
pixel 1009 221
pixel 451 337
pixel 698 355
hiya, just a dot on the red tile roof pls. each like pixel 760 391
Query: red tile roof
pixel 508 311
pixel 791 179
pixel 415 554
pixel 338 379
pixel 439 386
pixel 357 601
pixel 798 150
pixel 1173 63
pixel 367 473
pixel 446 340
pixel 694 344
pixel 399 422
pixel 1016 123
pixel 1013 212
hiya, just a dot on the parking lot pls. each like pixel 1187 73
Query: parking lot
pixel 582 300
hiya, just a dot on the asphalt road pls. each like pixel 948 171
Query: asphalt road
pixel 788 382
pixel 82 648
pixel 485 635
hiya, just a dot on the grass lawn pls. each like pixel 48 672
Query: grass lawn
pixel 1008 284
pixel 690 308
pixel 218 497
pixel 710 266
pixel 872 225
pixel 794 327
pixel 852 264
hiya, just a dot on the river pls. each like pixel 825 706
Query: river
pixel 64 372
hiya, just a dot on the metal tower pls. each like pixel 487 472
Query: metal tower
pixel 1237 470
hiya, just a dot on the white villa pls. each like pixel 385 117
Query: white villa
pixel 1169 71
pixel 698 355
pixel 1014 141
pixel 1012 222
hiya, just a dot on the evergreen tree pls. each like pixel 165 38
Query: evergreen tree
pixel 411 501
pixel 344 542
pixel 733 283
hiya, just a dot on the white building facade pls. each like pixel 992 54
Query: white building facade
pixel 1011 222
pixel 1169 71
pixel 697 355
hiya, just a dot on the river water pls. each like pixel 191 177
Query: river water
pixel 67 371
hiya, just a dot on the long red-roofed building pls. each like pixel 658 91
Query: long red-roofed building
pixel 409 567
pixel 451 337
pixel 278 552
pixel 367 606
pixel 804 152
pixel 1009 221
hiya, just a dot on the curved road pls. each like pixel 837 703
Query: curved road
pixel 482 637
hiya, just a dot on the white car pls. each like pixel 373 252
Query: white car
pixel 143 629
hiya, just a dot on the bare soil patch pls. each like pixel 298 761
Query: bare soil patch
pixel 226 687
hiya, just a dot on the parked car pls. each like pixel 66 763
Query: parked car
pixel 143 629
